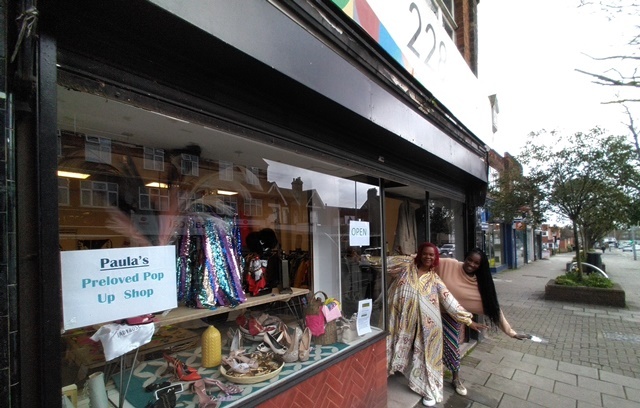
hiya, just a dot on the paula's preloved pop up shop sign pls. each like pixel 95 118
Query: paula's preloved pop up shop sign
pixel 103 285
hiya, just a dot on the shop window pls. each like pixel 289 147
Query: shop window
pixel 494 245
pixel 154 198
pixel 97 149
pixel 189 165
pixel 63 191
pixel 98 194
pixel 225 170
pixel 153 159
pixel 296 230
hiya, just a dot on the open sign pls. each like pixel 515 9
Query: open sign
pixel 359 233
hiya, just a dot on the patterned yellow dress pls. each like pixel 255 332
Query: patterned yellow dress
pixel 414 344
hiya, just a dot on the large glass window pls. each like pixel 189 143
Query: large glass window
pixel 237 233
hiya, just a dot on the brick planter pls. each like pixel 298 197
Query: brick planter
pixel 581 294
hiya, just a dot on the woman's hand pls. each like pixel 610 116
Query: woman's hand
pixel 477 326
pixel 521 336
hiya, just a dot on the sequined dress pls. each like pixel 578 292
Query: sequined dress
pixel 414 344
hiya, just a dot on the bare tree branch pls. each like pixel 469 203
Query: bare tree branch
pixel 620 101
pixel 622 57
pixel 633 130
pixel 608 81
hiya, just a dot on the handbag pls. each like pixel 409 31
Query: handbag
pixel 331 310
pixel 313 317
pixel 347 329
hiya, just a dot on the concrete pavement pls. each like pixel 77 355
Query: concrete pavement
pixel 592 358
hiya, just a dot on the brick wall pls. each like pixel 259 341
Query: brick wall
pixel 466 12
pixel 357 382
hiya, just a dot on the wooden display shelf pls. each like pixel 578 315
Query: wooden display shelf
pixel 184 314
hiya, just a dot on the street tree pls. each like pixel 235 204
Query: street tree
pixel 581 176
pixel 599 218
pixel 512 196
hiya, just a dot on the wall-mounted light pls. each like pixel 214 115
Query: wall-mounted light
pixel 71 174
pixel 227 193
pixel 157 185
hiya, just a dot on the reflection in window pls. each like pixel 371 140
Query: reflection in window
pixel 154 199
pixel 59 143
pixel 253 207
pixel 230 204
pixel 63 191
pixel 225 170
pixel 97 149
pixel 252 175
pixel 189 165
pixel 98 194
pixel 153 159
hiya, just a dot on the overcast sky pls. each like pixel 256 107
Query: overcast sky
pixel 528 53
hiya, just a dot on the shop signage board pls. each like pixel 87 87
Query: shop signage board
pixel 104 285
pixel 411 34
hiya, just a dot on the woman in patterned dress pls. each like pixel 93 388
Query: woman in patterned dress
pixel 414 344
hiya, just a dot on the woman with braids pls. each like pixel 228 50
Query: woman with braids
pixel 471 283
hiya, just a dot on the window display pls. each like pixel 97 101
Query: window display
pixel 253 230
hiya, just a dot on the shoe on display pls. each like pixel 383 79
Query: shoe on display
pixel 304 348
pixel 460 389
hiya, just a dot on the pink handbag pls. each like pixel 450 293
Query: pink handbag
pixel 331 313
pixel 315 323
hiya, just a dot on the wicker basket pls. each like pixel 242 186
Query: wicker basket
pixel 330 335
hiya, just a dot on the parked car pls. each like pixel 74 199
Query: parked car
pixel 447 250
pixel 629 248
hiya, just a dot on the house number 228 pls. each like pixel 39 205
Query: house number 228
pixel 433 45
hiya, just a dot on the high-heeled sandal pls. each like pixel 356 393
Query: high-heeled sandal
pixel 204 400
pixel 235 366
pixel 274 344
pixel 228 389
pixel 293 345
pixel 181 370
pixel 305 345
pixel 263 347
pixel 236 339
pixel 242 358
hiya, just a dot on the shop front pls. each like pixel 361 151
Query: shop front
pixel 221 167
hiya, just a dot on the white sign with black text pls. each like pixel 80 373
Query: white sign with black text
pixel 103 285
pixel 363 322
pixel 359 233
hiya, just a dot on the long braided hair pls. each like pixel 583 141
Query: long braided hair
pixel 486 287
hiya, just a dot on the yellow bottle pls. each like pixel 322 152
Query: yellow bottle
pixel 211 347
